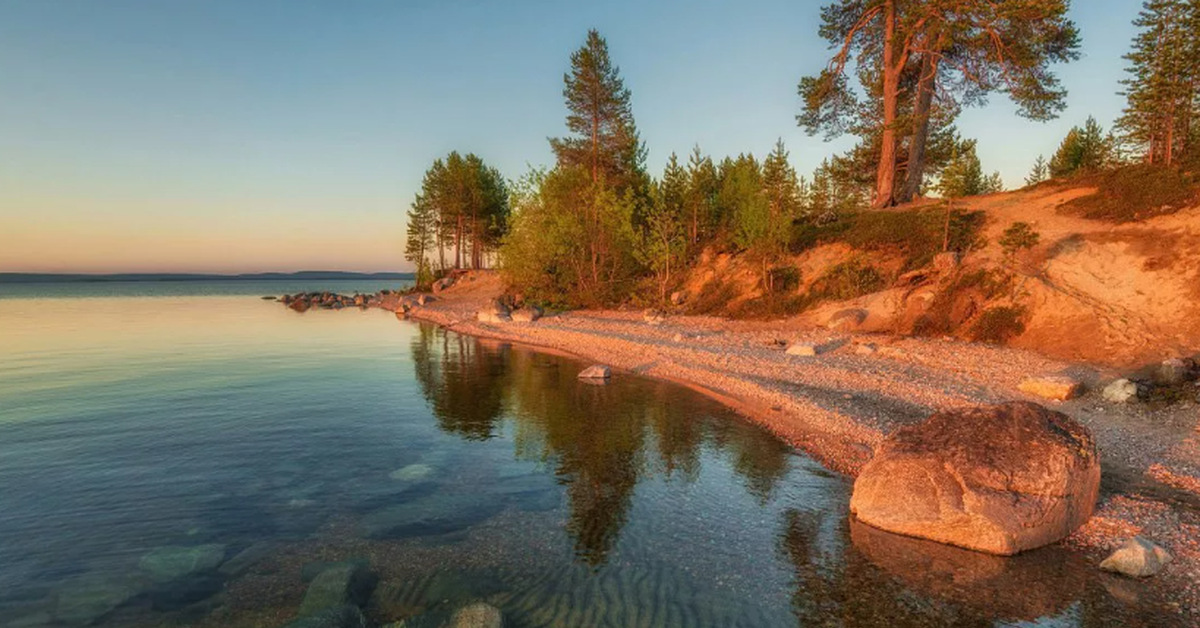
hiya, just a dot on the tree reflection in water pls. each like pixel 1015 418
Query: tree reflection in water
pixel 600 440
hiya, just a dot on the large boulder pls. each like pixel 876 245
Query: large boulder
pixel 998 479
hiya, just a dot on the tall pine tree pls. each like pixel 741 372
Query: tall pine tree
pixel 604 138
pixel 419 238
pixel 974 46
pixel 1162 88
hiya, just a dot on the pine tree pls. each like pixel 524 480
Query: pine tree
pixel 1162 89
pixel 964 176
pixel 604 137
pixel 703 185
pixel 419 240
pixel 1039 173
pixel 1085 149
pixel 980 46
pixel 469 205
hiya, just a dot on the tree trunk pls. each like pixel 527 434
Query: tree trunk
pixel 595 148
pixel 458 237
pixel 946 234
pixel 920 134
pixel 885 178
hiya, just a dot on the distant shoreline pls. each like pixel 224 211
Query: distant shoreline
pixel 322 275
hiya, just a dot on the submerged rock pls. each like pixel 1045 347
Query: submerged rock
pixel 337 617
pixel 83 602
pixel 1137 558
pixel 436 513
pixel 244 560
pixel 998 479
pixel 346 584
pixel 1054 387
pixel 596 371
pixel 477 615
pixel 411 472
pixel 173 562
pixel 310 571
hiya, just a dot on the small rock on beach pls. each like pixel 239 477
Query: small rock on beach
pixel 596 371
pixel 1137 558
pixel 1053 387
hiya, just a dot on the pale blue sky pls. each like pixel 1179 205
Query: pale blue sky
pixel 281 135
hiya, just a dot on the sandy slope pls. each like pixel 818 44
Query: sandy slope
pixel 839 405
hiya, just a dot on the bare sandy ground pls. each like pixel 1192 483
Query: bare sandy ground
pixel 839 405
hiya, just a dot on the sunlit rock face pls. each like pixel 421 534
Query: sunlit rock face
pixel 998 479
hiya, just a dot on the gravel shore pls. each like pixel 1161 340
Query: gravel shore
pixel 837 406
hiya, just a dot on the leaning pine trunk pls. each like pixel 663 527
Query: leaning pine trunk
pixel 920 136
pixel 885 178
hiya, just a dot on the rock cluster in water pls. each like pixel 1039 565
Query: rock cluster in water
pixel 302 301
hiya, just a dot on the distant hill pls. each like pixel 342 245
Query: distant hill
pixel 302 275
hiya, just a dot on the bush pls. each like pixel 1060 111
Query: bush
pixel 713 297
pixel 998 325
pixel 1135 193
pixel 1018 236
pixel 918 234
pixel 848 280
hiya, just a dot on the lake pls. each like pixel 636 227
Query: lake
pixel 191 455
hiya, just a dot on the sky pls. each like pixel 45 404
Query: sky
pixel 282 135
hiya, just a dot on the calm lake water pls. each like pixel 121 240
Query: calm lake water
pixel 173 456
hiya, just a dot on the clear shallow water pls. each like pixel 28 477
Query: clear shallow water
pixel 253 441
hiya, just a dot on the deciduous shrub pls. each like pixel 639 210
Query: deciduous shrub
pixel 998 325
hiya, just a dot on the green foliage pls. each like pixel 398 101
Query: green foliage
pixel 463 206
pixel 1163 89
pixel 963 176
pixel 1135 193
pixel 1084 150
pixel 700 200
pixel 604 137
pixel 998 325
pixel 963 51
pixel 918 234
pixel 1019 236
pixel 714 297
pixel 661 244
pixel 848 280
pixel 420 238
pixel 1040 172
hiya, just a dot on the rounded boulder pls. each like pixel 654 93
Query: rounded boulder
pixel 998 479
